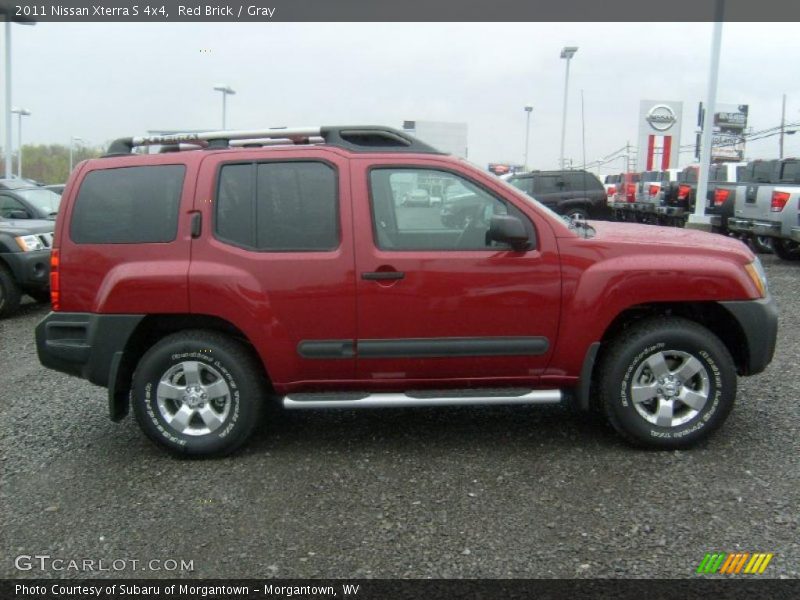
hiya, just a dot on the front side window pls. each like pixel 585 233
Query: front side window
pixel 278 206
pixel 426 209
pixel 128 205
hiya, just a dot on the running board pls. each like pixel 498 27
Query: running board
pixel 422 398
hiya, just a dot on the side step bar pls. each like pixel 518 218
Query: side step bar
pixel 422 398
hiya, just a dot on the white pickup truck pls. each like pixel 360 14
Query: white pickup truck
pixel 772 209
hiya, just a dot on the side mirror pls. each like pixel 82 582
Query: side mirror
pixel 18 214
pixel 508 229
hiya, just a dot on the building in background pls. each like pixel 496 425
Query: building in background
pixel 442 135
pixel 505 168
pixel 659 134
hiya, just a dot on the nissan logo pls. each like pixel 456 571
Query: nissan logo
pixel 661 117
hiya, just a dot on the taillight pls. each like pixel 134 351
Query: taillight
pixel 721 197
pixel 779 200
pixel 55 283
pixel 631 187
pixel 612 190
pixel 654 190
pixel 683 192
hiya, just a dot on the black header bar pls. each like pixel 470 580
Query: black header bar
pixel 152 11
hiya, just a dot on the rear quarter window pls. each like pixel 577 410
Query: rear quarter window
pixel 128 205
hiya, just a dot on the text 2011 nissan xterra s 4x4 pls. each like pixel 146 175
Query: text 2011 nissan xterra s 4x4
pixel 239 268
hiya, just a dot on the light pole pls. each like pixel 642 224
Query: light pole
pixel 6 11
pixel 72 141
pixel 226 90
pixel 20 112
pixel 698 219
pixel 566 52
pixel 528 110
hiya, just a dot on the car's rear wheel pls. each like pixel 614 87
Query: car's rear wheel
pixel 198 393
pixel 762 244
pixel 786 249
pixel 578 212
pixel 667 383
pixel 10 294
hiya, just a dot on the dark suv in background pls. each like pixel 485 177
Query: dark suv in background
pixel 570 193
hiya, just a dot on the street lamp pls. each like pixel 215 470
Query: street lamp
pixel 20 112
pixel 528 110
pixel 72 141
pixel 6 11
pixel 226 90
pixel 566 52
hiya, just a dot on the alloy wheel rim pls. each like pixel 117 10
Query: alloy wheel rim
pixel 670 388
pixel 193 398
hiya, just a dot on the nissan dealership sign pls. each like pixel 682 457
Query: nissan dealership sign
pixel 661 117
pixel 659 134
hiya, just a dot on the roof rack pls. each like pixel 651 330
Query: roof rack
pixel 361 138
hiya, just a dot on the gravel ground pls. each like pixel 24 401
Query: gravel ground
pixel 496 493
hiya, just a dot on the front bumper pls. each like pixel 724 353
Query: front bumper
pixel 759 322
pixel 30 269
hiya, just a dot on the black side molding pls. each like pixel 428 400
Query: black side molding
pixel 452 347
pixel 326 349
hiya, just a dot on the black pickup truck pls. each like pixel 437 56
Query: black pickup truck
pixel 24 262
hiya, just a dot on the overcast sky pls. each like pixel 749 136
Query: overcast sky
pixel 101 81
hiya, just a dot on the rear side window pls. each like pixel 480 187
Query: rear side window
pixel 130 205
pixel 791 172
pixel 582 180
pixel 278 206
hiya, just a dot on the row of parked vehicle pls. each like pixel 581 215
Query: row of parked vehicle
pixel 27 221
pixel 757 201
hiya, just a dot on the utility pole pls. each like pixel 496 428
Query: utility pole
pixel 783 124
pixel 583 132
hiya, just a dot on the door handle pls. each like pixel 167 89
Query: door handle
pixel 382 275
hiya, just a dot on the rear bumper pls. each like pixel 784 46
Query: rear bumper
pixel 756 227
pixel 30 269
pixel 795 235
pixel 83 344
pixel 759 322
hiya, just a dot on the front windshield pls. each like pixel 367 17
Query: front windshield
pixel 45 201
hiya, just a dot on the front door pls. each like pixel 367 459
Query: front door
pixel 435 300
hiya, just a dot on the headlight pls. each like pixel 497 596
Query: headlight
pixel 759 277
pixel 29 242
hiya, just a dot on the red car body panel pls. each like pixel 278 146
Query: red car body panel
pixel 568 289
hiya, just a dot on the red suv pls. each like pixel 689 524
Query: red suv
pixel 199 284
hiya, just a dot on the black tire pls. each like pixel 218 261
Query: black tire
pixel 219 358
pixel 762 244
pixel 41 296
pixel 577 211
pixel 626 362
pixel 786 249
pixel 10 294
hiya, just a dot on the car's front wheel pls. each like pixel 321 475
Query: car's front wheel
pixel 198 393
pixel 667 383
pixel 10 294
